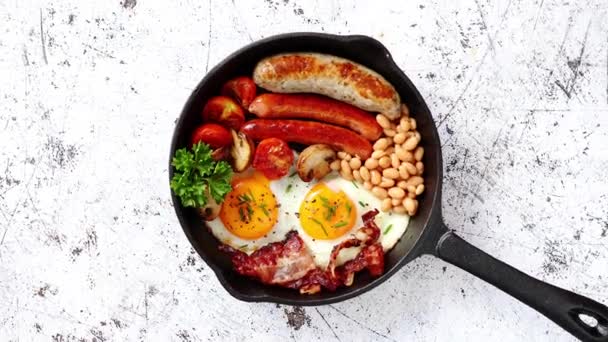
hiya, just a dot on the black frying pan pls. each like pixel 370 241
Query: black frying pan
pixel 426 233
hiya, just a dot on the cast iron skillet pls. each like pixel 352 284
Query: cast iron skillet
pixel 426 233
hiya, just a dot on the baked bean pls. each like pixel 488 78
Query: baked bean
pixel 355 163
pixel 415 181
pixel 389 151
pixel 387 182
pixel 367 185
pixel 375 177
pixel 409 205
pixel 402 184
pixel 403 173
pixel 395 201
pixel 403 154
pixel 411 195
pixel 364 172
pixel 357 176
pixel 371 163
pixel 381 144
pixel 384 162
pixel 342 155
pixel 399 138
pixel 420 168
pixel 411 168
pixel 345 167
pixel 386 205
pixel 383 121
pixel 405 111
pixel 419 153
pixel 390 132
pixel 335 165
pixel 391 173
pixel 346 175
pixel 400 129
pixel 395 162
pixel 413 124
pixel 396 192
pixel 399 209
pixel 419 189
pixel 404 123
pixel 410 188
pixel 379 192
pixel 378 154
pixel 411 143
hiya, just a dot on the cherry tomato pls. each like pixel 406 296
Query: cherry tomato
pixel 225 111
pixel 273 158
pixel 242 89
pixel 214 135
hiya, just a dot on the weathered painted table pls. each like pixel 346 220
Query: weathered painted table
pixel 90 248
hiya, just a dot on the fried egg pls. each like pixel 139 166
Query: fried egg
pixel 259 211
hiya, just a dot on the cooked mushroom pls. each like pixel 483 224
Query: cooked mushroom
pixel 211 210
pixel 313 162
pixel 220 153
pixel 241 152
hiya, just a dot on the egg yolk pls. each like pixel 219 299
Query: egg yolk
pixel 325 214
pixel 250 210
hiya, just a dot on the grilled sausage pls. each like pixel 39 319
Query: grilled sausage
pixel 336 77
pixel 309 133
pixel 318 108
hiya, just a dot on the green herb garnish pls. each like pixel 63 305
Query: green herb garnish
pixel 320 224
pixel 388 229
pixel 289 186
pixel 349 208
pixel 243 246
pixel 264 208
pixel 198 176
pixel 340 224
pixel 362 204
pixel 293 174
pixel 331 209
pixel 355 184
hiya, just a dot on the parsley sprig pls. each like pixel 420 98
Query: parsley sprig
pixel 197 175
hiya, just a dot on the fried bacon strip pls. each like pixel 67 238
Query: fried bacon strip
pixel 289 264
pixel 276 263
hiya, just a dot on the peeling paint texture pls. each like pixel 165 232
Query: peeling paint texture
pixel 91 250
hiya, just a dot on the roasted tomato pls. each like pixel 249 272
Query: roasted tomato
pixel 273 158
pixel 212 134
pixel 242 89
pixel 224 110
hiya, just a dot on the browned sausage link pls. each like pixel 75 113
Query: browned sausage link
pixel 309 133
pixel 315 107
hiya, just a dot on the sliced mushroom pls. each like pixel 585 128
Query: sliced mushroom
pixel 241 152
pixel 220 153
pixel 211 210
pixel 313 162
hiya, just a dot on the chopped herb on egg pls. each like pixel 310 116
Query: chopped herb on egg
pixel 388 229
pixel 289 186
pixel 361 203
pixel 331 209
pixel 264 208
pixel 320 225
pixel 243 246
pixel 340 224
pixel 349 208
pixel 293 174
pixel 355 184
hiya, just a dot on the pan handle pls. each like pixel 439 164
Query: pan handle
pixel 565 308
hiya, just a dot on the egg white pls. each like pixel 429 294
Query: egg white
pixel 290 192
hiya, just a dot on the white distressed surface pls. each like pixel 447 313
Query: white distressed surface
pixel 90 247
